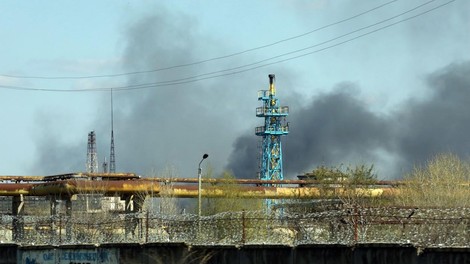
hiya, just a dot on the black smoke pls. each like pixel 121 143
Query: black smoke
pixel 174 125
pixel 163 126
pixel 438 124
pixel 339 128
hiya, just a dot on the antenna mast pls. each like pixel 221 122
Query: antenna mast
pixel 92 157
pixel 112 158
pixel 105 166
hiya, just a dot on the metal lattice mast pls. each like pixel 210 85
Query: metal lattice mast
pixel 92 156
pixel 105 165
pixel 112 158
pixel 271 132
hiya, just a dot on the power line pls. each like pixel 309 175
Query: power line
pixel 298 50
pixel 201 77
pixel 201 61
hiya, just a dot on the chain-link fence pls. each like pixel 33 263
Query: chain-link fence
pixel 417 226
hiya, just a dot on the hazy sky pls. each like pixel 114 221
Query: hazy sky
pixel 389 87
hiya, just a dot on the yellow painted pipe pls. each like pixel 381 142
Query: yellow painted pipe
pixel 155 189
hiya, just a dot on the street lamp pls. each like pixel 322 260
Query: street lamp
pixel 199 177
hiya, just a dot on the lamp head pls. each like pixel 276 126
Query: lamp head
pixel 205 156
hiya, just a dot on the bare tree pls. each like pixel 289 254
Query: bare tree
pixel 442 182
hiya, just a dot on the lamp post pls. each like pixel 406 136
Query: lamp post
pixel 199 177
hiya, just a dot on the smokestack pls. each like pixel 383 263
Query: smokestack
pixel 272 90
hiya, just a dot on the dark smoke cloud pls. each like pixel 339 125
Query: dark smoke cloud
pixel 175 125
pixel 439 124
pixel 167 126
pixel 334 128
pixel 244 158
pixel 55 156
pixel 339 128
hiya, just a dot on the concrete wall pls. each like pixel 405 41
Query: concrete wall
pixel 8 253
pixel 69 255
pixel 181 253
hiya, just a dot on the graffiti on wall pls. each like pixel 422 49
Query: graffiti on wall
pixel 70 256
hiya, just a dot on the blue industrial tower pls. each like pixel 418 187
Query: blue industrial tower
pixel 274 127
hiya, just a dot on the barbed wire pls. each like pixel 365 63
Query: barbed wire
pixel 420 227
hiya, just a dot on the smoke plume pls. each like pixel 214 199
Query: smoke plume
pixel 164 126
pixel 175 125
pixel 338 128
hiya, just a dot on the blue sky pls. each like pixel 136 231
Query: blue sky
pixel 45 132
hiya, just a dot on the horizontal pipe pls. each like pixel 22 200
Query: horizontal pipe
pixel 273 192
pixel 107 188
pixel 262 182
pixel 153 187
pixel 108 175
pixel 64 176
pixel 21 178
pixel 145 188
pixel 15 189
pixel 133 176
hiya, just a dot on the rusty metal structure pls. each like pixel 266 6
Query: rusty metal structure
pixel 115 184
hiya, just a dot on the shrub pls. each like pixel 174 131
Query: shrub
pixel 442 182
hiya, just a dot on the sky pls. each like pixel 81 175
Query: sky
pixel 384 83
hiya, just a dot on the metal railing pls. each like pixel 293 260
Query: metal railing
pixel 265 111
pixel 271 129
pixel 263 94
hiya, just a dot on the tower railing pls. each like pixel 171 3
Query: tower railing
pixel 272 111
pixel 264 94
pixel 281 130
